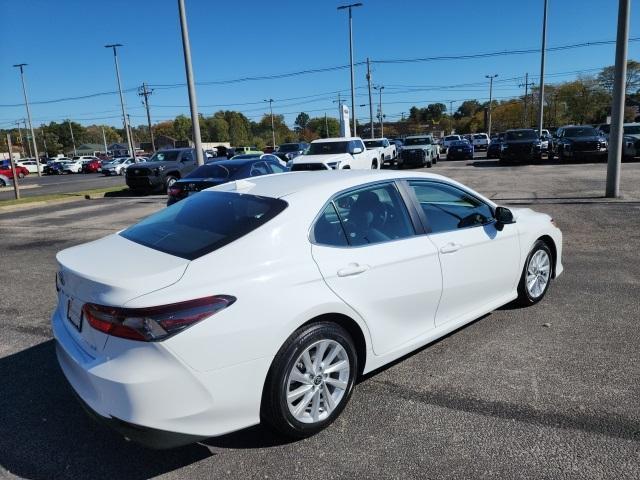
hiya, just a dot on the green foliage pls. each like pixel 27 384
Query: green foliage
pixel 302 121
pixel 182 128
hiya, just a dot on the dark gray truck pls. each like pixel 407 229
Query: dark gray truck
pixel 162 170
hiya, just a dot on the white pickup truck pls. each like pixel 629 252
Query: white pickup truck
pixel 337 154
pixel 388 151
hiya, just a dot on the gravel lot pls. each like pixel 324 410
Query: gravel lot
pixel 550 391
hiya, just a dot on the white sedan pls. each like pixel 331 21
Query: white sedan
pixel 265 299
pixel 117 166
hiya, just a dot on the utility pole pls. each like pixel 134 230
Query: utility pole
pixel 104 140
pixel 193 102
pixel 326 125
pixel 44 141
pixel 16 189
pixel 543 50
pixel 490 77
pixel 73 140
pixel 353 95
pixel 20 136
pixel 526 85
pixel 617 107
pixel 273 130
pixel 144 92
pixel 370 98
pixel 26 104
pixel 133 140
pixel 122 105
pixel 380 88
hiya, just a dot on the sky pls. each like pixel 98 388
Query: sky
pixel 63 42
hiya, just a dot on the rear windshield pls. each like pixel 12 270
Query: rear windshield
pixel 632 129
pixel 373 143
pixel 203 223
pixel 214 170
pixel 289 147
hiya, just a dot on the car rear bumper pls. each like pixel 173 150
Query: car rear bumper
pixel 147 393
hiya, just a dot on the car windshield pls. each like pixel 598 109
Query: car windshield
pixel 373 143
pixel 75 158
pixel 460 143
pixel 203 223
pixel 418 141
pixel 289 147
pixel 521 135
pixel 480 137
pixel 580 132
pixel 328 148
pixel 632 129
pixel 215 170
pixel 168 156
pixel 452 137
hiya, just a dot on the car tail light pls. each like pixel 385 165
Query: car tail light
pixel 174 192
pixel 152 324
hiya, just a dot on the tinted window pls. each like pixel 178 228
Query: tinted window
pixel 289 147
pixel 418 141
pixel 187 156
pixel 328 230
pixel 247 156
pixel 305 167
pixel 327 148
pixel 374 143
pixel 450 208
pixel 632 129
pixel 203 223
pixel 214 170
pixel 373 215
pixel 607 128
pixel 521 135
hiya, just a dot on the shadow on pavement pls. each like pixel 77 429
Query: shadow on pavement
pixel 44 432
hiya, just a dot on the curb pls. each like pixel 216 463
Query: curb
pixel 73 197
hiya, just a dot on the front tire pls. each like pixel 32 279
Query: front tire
pixel 168 183
pixel 374 164
pixel 310 380
pixel 536 275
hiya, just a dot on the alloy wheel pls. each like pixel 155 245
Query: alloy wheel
pixel 318 381
pixel 538 273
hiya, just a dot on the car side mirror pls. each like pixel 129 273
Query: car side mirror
pixel 503 217
pixel 356 150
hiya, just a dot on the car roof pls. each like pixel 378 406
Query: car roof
pixel 335 139
pixel 238 161
pixel 326 183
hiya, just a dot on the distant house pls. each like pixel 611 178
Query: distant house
pixel 88 149
pixel 121 149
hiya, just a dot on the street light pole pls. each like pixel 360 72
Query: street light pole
pixel 541 89
pixel 104 140
pixel 273 130
pixel 26 104
pixel 370 98
pixel 617 107
pixel 193 103
pixel 124 112
pixel 490 77
pixel 353 95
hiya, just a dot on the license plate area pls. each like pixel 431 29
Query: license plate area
pixel 74 313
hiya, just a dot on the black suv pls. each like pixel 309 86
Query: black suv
pixel 520 145
pixel 580 141
pixel 162 170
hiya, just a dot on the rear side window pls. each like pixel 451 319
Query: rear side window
pixel 373 215
pixel 203 223
pixel 328 230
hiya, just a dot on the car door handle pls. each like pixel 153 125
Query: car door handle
pixel 352 269
pixel 450 247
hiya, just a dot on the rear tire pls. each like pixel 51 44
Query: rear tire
pixel 300 397
pixel 168 183
pixel 374 164
pixel 536 275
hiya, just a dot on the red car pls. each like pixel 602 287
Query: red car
pixel 20 171
pixel 91 167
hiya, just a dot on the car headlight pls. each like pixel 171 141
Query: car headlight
pixel 503 147
pixel 334 165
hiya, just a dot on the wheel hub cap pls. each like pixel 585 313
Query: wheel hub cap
pixel 538 273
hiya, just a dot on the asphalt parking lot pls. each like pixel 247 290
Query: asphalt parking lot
pixel 549 391
pixel 32 185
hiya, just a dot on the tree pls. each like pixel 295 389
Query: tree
pixel 182 127
pixel 606 77
pixel 217 128
pixel 301 122
pixel 468 108
pixel 318 129
pixel 239 128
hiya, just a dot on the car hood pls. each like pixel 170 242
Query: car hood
pixel 114 270
pixel 322 158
